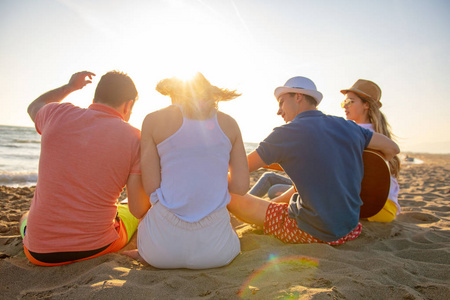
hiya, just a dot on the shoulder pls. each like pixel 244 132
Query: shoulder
pixel 227 123
pixel 163 111
pixel 54 110
pixel 161 115
pixel 223 117
pixel 161 124
pixel 132 131
pixel 54 106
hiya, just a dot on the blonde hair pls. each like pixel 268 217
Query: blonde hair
pixel 196 95
pixel 380 125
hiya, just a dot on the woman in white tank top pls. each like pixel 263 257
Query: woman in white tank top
pixel 192 157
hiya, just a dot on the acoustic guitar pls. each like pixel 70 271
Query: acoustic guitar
pixel 375 183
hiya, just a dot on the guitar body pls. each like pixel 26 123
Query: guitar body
pixel 374 186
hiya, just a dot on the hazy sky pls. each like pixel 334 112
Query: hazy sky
pixel 249 45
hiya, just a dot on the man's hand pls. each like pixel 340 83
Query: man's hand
pixel 78 80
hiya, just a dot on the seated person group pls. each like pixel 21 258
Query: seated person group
pixel 187 170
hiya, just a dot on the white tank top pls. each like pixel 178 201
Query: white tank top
pixel 194 170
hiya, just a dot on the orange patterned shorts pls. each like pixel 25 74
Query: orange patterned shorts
pixel 278 224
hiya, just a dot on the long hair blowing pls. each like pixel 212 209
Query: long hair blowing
pixel 380 125
pixel 196 95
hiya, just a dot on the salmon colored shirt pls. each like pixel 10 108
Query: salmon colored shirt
pixel 86 158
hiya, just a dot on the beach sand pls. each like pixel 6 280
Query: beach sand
pixel 406 259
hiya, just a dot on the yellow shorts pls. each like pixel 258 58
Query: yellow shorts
pixel 386 214
pixel 130 221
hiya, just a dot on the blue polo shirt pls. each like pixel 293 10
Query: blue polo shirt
pixel 322 155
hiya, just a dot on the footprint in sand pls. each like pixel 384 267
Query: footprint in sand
pixel 417 217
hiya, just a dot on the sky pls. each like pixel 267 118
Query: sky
pixel 252 46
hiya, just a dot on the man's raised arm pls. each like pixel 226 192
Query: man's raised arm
pixel 76 82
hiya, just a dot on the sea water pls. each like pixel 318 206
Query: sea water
pixel 19 155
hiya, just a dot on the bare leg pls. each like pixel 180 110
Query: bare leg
pixel 249 208
pixel 277 190
pixel 267 181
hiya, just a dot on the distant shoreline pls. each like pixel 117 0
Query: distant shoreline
pixel 421 158
pixel 439 145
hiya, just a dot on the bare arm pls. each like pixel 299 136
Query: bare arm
pixel 76 82
pixel 149 181
pixel 384 144
pixel 150 161
pixel 138 201
pixel 254 161
pixel 238 179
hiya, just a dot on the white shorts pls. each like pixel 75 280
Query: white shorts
pixel 167 242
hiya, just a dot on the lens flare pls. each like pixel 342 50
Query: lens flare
pixel 274 264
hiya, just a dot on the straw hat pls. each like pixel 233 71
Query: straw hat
pixel 365 89
pixel 299 85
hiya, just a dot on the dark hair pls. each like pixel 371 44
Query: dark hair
pixel 308 98
pixel 115 88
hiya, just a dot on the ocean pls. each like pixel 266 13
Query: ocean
pixel 19 155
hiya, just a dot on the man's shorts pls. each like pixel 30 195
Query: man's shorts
pixel 125 223
pixel 278 224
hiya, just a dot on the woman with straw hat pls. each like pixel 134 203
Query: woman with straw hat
pixel 362 104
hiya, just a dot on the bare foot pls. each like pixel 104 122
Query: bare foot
pixel 134 254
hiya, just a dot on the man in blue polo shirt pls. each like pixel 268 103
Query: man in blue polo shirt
pixel 322 155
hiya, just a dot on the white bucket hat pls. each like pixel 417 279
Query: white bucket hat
pixel 299 85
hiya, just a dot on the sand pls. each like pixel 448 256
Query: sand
pixel 406 259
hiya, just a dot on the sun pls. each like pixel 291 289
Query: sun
pixel 180 41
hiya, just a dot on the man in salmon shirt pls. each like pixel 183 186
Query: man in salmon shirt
pixel 87 157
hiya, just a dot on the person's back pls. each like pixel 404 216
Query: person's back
pixel 324 159
pixel 187 150
pixel 194 169
pixel 87 157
